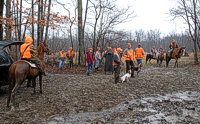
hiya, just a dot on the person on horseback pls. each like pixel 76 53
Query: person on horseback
pixel 30 53
pixel 172 45
pixel 153 51
pixel 160 50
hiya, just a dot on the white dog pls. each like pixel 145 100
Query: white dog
pixel 126 76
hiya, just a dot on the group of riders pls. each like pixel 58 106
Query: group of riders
pixel 172 45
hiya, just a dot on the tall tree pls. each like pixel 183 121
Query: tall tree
pixel 1 16
pixel 8 20
pixel 80 34
pixel 48 17
pixel 187 10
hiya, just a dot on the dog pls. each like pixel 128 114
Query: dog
pixel 126 76
pixel 137 69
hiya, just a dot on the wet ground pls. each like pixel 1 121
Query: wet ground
pixel 180 108
pixel 157 95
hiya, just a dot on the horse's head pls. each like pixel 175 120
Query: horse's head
pixel 45 47
pixel 182 49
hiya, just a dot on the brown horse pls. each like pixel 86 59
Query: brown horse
pixel 177 53
pixel 21 70
pixel 160 58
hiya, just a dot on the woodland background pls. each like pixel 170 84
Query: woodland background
pixel 92 23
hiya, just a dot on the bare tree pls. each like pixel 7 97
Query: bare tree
pixel 8 20
pixel 80 34
pixel 1 15
pixel 187 10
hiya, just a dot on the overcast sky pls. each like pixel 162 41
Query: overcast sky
pixel 152 14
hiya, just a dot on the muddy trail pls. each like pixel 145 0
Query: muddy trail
pixel 157 95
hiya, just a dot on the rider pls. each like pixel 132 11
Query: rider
pixel 153 51
pixel 29 52
pixel 160 50
pixel 172 45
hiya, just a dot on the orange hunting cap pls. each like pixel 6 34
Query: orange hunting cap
pixel 89 48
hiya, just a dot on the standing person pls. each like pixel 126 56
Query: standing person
pixel 139 54
pixel 129 57
pixel 117 63
pixel 109 60
pixel 172 45
pixel 89 61
pixel 70 56
pixel 29 52
pixel 61 57
pixel 153 51
pixel 97 58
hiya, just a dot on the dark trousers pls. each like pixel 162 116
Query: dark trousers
pixel 116 74
pixel 71 64
pixel 130 66
pixel 71 61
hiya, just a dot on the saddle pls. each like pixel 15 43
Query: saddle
pixel 33 65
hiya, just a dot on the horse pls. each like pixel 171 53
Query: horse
pixel 160 58
pixel 149 57
pixel 21 70
pixel 177 53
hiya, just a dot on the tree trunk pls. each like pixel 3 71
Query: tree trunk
pixel 20 22
pixel 1 15
pixel 38 25
pixel 48 16
pixel 80 34
pixel 8 26
pixel 33 21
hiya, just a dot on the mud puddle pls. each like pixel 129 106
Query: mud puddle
pixel 183 107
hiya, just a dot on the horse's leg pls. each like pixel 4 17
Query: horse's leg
pixel 34 85
pixel 29 83
pixel 146 59
pixel 40 81
pixel 175 65
pixel 11 86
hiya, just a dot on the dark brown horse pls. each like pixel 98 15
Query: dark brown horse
pixel 160 58
pixel 177 53
pixel 21 70
pixel 149 57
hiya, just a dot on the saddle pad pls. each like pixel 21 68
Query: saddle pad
pixel 33 65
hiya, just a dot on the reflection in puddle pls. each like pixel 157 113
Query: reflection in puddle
pixel 172 108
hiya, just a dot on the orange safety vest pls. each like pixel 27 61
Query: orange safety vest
pixel 139 53
pixel 129 52
pixel 25 50
pixel 62 55
pixel 173 45
pixel 114 63
pixel 70 53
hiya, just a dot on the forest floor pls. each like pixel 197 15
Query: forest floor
pixel 157 95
